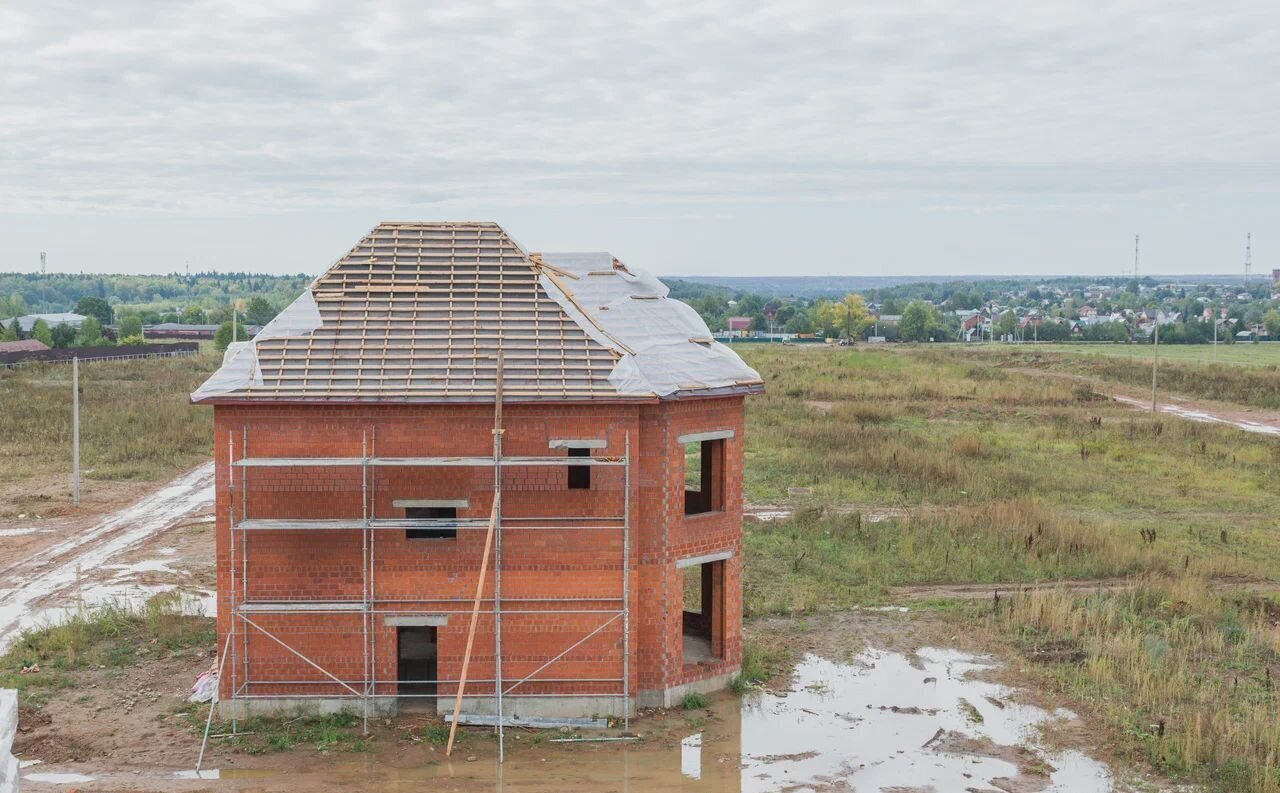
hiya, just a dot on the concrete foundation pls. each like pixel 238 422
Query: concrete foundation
pixel 670 697
pixel 514 709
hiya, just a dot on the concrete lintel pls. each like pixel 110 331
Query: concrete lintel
pixel 415 621
pixel 576 443
pixel 693 561
pixel 698 437
pixel 457 503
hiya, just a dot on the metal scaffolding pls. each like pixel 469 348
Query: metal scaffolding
pixel 246 614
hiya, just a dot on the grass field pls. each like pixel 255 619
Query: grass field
pixel 1002 475
pixel 1263 354
pixel 1233 354
pixel 136 423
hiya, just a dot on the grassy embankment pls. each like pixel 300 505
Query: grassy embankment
pixel 135 421
pixel 1006 476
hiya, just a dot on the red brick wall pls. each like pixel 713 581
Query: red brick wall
pixel 674 536
pixel 439 576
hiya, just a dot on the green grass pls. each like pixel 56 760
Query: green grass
pixel 136 422
pixel 1262 354
pixel 337 732
pixel 693 702
pixel 113 636
pixel 1255 385
pixel 997 473
pixel 998 476
pixel 1185 678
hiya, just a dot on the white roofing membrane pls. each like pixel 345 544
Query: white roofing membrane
pixel 629 312
pixel 240 362
pixel 631 306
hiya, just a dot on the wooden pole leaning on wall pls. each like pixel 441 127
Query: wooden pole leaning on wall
pixel 471 632
pixel 484 562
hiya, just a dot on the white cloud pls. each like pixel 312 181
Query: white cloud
pixel 227 106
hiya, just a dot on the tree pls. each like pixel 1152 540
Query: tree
pixel 1007 323
pixel 63 336
pixel 131 326
pixel 41 333
pixel 192 315
pixel 11 331
pixel 222 337
pixel 799 322
pixel 95 307
pixel 919 321
pixel 1272 320
pixel 91 333
pixel 847 316
pixel 12 306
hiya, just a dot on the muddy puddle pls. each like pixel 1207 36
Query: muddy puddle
pixel 82 571
pixel 885 722
pixel 1191 414
pixel 772 513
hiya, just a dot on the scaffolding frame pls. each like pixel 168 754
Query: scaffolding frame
pixel 243 611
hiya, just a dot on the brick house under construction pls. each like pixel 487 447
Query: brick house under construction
pixel 440 391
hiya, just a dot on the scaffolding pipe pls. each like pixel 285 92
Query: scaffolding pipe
pixel 244 546
pixel 497 552
pixel 364 568
pixel 626 587
pixel 563 653
pixel 373 539
pixel 231 565
pixel 317 666
pixel 208 722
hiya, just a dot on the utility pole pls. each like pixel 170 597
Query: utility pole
pixel 75 431
pixel 1155 359
pixel 1135 256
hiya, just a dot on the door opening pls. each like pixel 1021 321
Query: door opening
pixel 702 616
pixel 416 666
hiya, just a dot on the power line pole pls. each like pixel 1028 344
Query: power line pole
pixel 75 431
pixel 1155 359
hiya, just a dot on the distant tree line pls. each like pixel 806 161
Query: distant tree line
pixel 174 297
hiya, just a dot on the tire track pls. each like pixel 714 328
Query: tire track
pixel 51 572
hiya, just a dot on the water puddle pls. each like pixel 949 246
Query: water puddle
pixel 885 722
pixel 24 531
pixel 57 778
pixel 54 574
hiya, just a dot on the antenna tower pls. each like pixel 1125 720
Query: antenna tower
pixel 1248 258
pixel 1135 256
pixel 44 259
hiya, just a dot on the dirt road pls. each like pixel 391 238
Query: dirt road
pixel 904 594
pixel 78 569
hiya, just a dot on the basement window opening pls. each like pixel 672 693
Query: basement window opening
pixel 579 475
pixel 704 476
pixel 438 531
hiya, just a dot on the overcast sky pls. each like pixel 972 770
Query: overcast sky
pixel 868 137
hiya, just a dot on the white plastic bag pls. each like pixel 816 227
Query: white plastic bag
pixel 205 688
